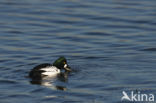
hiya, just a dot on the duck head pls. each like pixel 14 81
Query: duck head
pixel 61 63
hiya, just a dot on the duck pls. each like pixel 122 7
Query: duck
pixel 50 70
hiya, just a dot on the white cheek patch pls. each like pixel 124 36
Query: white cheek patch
pixel 65 65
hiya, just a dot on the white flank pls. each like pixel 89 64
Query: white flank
pixel 50 71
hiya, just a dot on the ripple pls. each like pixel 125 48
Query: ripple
pixel 74 102
pixel 37 90
pixel 15 32
pixel 149 49
pixel 5 81
pixel 19 96
pixel 98 33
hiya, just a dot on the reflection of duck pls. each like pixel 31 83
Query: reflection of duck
pixel 50 70
pixel 48 81
pixel 44 73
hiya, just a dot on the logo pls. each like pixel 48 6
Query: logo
pixel 137 96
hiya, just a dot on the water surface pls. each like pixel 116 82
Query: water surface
pixel 109 43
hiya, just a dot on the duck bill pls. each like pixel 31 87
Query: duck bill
pixel 67 68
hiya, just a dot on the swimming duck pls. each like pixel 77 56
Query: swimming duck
pixel 47 69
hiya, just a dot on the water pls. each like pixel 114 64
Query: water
pixel 111 45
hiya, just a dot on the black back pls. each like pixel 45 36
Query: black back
pixel 36 71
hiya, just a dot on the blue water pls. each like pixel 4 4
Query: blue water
pixel 110 45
